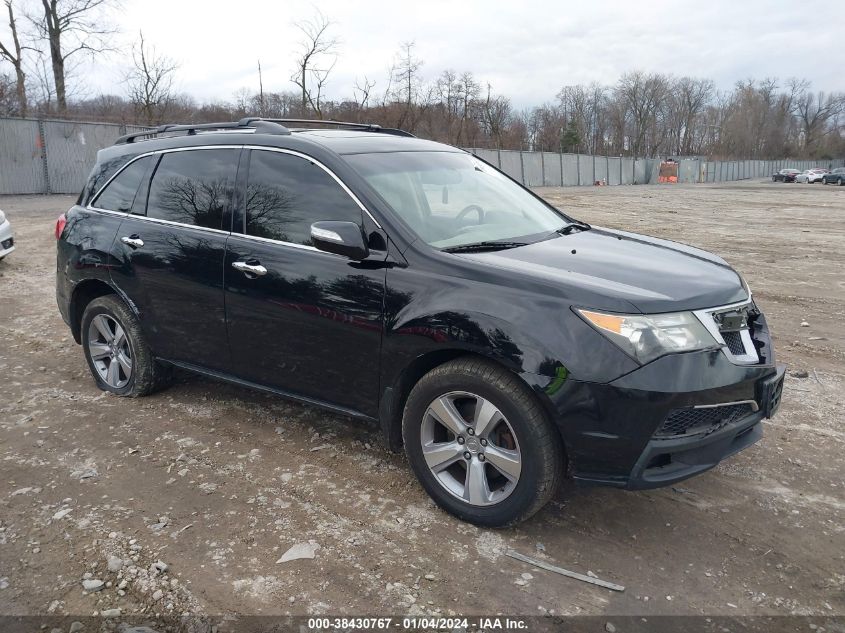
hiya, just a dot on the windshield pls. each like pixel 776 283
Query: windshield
pixel 451 199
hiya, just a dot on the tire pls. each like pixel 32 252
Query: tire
pixel 525 443
pixel 124 365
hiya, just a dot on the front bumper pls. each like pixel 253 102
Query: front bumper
pixel 667 460
pixel 615 433
pixel 7 239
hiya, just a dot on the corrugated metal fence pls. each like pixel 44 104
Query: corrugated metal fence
pixel 548 169
pixel 50 156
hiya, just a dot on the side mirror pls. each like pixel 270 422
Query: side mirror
pixel 341 238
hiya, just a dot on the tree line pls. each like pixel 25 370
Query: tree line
pixel 641 114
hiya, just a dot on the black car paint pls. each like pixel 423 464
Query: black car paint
pixel 837 176
pixel 785 175
pixel 353 336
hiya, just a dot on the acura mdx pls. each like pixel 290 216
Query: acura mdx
pixel 500 342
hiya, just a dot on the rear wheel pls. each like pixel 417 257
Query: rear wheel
pixel 480 444
pixel 118 356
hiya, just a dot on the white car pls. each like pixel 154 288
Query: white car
pixel 810 175
pixel 7 238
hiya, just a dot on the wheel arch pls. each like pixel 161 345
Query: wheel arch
pixel 84 293
pixel 395 395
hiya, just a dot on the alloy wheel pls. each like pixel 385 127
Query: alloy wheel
pixel 471 448
pixel 110 351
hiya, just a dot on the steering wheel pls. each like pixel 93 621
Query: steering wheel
pixel 469 209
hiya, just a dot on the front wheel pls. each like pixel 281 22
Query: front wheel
pixel 480 444
pixel 118 356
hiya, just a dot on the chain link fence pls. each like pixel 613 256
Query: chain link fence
pixel 51 156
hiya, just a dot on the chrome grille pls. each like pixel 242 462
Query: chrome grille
pixel 729 325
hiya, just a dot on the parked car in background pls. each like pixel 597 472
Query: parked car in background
pixel 7 238
pixel 785 175
pixel 836 177
pixel 810 176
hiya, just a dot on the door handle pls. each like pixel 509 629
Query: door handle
pixel 250 270
pixel 133 240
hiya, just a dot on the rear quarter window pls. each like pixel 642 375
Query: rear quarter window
pixel 121 194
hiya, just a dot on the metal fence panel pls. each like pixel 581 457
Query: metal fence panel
pixel 614 171
pixel 532 169
pixel 627 171
pixel 552 170
pixel 569 169
pixel 600 168
pixel 490 155
pixel 511 164
pixel 688 171
pixel 586 166
pixel 72 151
pixel 21 165
pixel 642 171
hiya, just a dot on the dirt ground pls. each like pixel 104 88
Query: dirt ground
pixel 217 482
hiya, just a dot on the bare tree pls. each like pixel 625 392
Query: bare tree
pixel 262 104
pixel 14 55
pixel 316 60
pixel 44 81
pixel 644 96
pixel 150 82
pixel 468 91
pixel 8 99
pixel 497 113
pixel 814 111
pixel 364 92
pixel 71 27
pixel 406 76
pixel 687 102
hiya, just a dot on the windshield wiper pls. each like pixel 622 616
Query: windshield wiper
pixel 475 247
pixel 566 229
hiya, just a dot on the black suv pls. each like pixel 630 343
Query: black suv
pixel 406 282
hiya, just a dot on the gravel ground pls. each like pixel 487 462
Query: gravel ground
pixel 184 502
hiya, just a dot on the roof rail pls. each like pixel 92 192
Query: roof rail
pixel 259 124
pixel 262 126
pixel 366 127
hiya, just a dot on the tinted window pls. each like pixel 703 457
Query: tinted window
pixel 286 194
pixel 120 193
pixel 452 198
pixel 193 187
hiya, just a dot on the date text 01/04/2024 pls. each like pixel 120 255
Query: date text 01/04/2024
pixel 418 623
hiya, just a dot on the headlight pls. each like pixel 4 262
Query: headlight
pixel 2 217
pixel 646 337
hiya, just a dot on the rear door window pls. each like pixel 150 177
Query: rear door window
pixel 193 187
pixel 286 194
pixel 121 194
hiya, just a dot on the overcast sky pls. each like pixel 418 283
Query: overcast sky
pixel 526 50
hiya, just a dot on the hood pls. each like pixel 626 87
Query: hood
pixel 651 274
